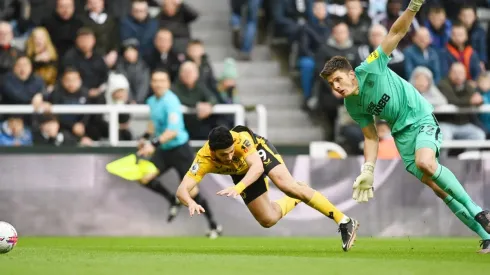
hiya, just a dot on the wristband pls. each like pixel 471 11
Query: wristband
pixel 240 187
pixel 155 142
pixel 146 136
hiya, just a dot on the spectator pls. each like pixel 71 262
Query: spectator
pixel 423 80
pixel 243 40
pixel 8 52
pixel 358 21
pixel 18 13
pixel 393 11
pixel 376 35
pixel 484 89
pixel 72 92
pixel 458 50
pixel 141 26
pixel 311 37
pixel 63 26
pixel 43 55
pixel 90 64
pixel 118 93
pixel 194 94
pixel 477 36
pixel 40 9
pixel 339 43
pixel 50 134
pixel 290 16
pixel 439 27
pixel 105 28
pixel 13 132
pixel 197 54
pixel 164 57
pixel 176 17
pixel 132 66
pixel 227 86
pixel 22 86
pixel 387 147
pixel 422 54
pixel 459 92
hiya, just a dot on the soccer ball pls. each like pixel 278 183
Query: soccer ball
pixel 8 237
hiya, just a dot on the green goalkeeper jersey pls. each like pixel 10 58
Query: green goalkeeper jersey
pixel 384 94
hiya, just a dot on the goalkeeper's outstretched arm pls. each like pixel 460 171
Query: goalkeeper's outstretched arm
pixel 400 27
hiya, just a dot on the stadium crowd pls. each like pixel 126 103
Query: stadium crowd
pixel 445 57
pixel 102 52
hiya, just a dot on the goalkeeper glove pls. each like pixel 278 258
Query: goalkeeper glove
pixel 363 186
pixel 415 5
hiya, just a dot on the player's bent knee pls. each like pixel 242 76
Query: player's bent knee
pixel 426 164
pixel 267 222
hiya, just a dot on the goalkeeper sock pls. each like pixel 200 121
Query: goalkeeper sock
pixel 287 204
pixel 157 187
pixel 323 205
pixel 208 213
pixel 448 182
pixel 460 211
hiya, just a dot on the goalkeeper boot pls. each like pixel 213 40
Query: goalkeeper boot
pixel 174 210
pixel 348 232
pixel 485 247
pixel 483 218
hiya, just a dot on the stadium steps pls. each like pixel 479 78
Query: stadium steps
pixel 260 81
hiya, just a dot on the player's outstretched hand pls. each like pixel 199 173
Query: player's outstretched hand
pixel 195 208
pixel 363 186
pixel 229 192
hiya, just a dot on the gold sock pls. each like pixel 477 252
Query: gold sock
pixel 287 204
pixel 323 205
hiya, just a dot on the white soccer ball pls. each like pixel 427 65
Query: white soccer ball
pixel 8 237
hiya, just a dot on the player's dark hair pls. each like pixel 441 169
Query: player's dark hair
pixel 220 138
pixel 334 64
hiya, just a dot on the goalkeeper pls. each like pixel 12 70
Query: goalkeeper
pixel 372 89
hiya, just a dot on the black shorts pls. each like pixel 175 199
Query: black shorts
pixel 270 159
pixel 180 158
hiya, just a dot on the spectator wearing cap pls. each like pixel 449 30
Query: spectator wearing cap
pixel 118 93
pixel 227 85
pixel 63 26
pixel 8 52
pixel 13 132
pixel 89 63
pixel 50 133
pixel 140 26
pixel 164 57
pixel 134 68
pixel 176 16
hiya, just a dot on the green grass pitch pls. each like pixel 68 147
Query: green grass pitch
pixel 250 256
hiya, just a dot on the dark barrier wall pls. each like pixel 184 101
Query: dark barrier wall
pixel 72 194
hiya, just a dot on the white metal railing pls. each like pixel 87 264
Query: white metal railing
pixel 114 110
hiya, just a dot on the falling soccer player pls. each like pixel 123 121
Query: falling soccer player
pixel 372 89
pixel 250 159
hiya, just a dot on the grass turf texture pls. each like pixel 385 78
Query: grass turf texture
pixel 233 256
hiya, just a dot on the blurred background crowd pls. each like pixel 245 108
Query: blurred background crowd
pixel 268 52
